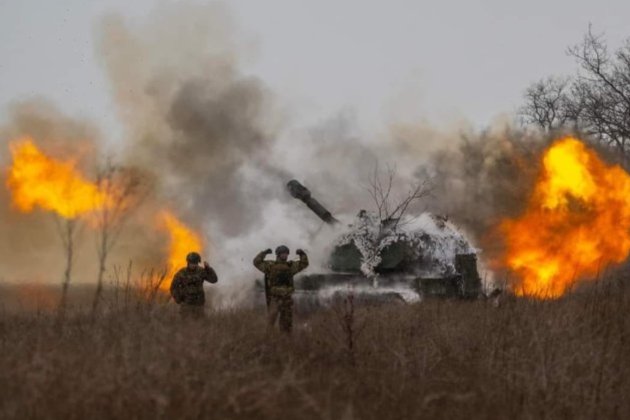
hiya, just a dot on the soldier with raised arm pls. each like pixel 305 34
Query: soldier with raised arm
pixel 279 284
pixel 187 286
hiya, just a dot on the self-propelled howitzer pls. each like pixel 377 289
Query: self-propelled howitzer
pixel 427 256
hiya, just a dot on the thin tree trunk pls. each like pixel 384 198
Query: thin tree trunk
pixel 102 260
pixel 68 239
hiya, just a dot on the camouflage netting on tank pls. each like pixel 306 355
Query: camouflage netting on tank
pixel 430 243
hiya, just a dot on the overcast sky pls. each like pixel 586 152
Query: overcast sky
pixel 437 60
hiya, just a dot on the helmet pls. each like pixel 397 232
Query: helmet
pixel 282 249
pixel 193 258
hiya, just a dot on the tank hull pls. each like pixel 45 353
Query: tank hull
pixel 318 290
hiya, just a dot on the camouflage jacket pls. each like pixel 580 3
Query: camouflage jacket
pixel 187 285
pixel 279 274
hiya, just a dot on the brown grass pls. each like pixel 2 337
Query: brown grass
pixel 568 358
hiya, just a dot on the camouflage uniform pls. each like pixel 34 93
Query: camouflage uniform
pixel 279 287
pixel 187 289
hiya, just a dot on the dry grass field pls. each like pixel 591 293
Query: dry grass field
pixel 567 358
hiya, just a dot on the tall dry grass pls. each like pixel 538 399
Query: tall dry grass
pixel 567 358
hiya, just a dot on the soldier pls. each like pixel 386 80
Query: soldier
pixel 187 286
pixel 279 284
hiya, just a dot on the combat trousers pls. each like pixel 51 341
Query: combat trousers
pixel 191 311
pixel 281 306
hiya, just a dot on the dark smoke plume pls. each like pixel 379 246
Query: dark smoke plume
pixel 484 178
pixel 192 116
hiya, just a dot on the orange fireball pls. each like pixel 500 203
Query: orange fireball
pixel 182 241
pixel 576 222
pixel 37 180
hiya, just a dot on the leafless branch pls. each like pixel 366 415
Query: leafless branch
pixel 123 191
pixel 595 102
pixel 380 188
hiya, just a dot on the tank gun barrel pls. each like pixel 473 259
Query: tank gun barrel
pixel 303 194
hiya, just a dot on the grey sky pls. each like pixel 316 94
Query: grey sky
pixel 434 60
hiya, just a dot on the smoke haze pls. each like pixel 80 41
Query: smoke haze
pixel 215 147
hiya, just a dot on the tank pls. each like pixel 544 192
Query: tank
pixel 379 261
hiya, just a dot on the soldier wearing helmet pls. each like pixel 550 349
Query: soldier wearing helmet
pixel 279 284
pixel 187 286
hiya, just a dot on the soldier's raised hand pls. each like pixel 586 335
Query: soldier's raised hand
pixel 300 252
pixel 206 265
pixel 267 251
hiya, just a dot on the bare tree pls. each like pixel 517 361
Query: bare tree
pixel 374 228
pixel 67 229
pixel 391 210
pixel 594 102
pixel 122 188
pixel 547 104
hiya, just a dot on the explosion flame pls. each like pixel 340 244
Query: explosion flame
pixel 182 241
pixel 37 180
pixel 576 222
